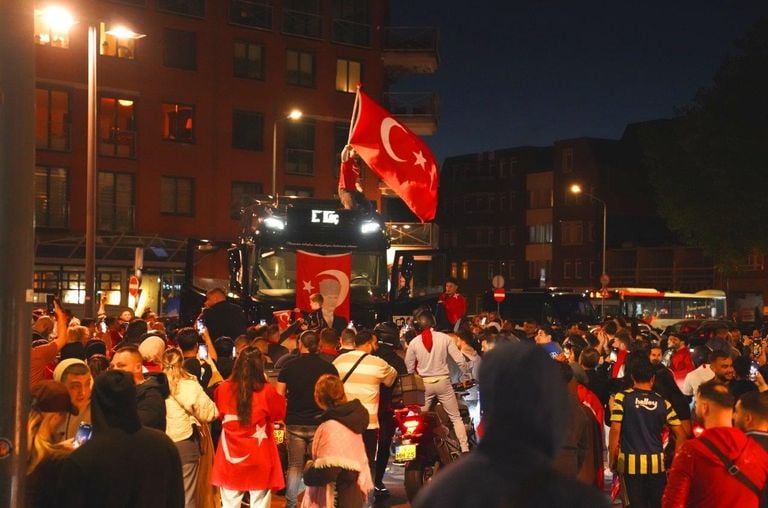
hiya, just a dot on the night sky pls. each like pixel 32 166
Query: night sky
pixel 528 72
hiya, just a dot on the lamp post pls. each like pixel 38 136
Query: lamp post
pixel 293 115
pixel 576 189
pixel 64 21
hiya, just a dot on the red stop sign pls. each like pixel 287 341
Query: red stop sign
pixel 499 294
pixel 133 286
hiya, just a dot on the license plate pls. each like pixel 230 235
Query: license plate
pixel 279 436
pixel 404 453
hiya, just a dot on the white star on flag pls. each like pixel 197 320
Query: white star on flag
pixel 260 433
pixel 420 160
pixel 308 287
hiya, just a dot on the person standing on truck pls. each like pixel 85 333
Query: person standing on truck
pixel 222 317
pixel 350 191
pixel 454 305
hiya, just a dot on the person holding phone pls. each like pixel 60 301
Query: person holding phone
pixel 75 376
pixel 45 354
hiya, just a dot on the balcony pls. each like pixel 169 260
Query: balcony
pixel 419 111
pixel 407 235
pixel 410 49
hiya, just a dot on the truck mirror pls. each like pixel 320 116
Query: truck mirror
pixel 235 259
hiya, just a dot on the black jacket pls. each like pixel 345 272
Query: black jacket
pixel 150 400
pixel 389 355
pixel 225 319
pixel 352 415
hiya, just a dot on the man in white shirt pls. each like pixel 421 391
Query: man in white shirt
pixel 430 351
pixel 696 377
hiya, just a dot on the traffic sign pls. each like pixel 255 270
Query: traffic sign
pixel 133 286
pixel 604 280
pixel 499 294
pixel 497 281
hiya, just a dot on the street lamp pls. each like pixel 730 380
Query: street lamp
pixel 63 20
pixel 295 114
pixel 576 189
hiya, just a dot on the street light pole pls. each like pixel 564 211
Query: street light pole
pixel 576 189
pixel 91 175
pixel 293 115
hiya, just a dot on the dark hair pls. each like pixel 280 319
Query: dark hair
pixel 624 337
pixel 248 377
pixel 452 280
pixel 363 337
pixel 640 368
pixel 589 358
pixel 718 354
pixel 717 393
pixel 187 338
pixel 132 350
pixel 97 364
pixel 566 371
pixel 756 403
pixel 610 328
pixel 223 346
pixel 329 336
pixel 310 341
pixel 135 330
pixel 741 366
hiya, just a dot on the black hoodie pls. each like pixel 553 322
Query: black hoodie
pixel 352 415
pixel 150 400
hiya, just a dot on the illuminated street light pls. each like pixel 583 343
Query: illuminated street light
pixel 61 20
pixel 576 189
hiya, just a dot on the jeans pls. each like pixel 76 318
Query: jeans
pixel 387 426
pixel 298 442
pixel 443 392
pixel 371 441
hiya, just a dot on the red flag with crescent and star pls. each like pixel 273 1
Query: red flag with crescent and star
pixel 327 275
pixel 402 160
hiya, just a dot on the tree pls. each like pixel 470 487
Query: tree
pixel 709 166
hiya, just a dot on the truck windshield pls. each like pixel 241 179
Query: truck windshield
pixel 277 272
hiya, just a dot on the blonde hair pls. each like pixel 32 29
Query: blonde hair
pixel 39 444
pixel 329 391
pixel 173 367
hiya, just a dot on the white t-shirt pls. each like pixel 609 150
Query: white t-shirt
pixel 695 378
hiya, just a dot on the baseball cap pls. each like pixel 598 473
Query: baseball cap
pixel 52 397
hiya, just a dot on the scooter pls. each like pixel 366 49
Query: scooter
pixel 426 441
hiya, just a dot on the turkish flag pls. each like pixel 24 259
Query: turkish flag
pixel 327 275
pixel 398 156
pixel 282 318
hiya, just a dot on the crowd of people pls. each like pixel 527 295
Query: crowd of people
pixel 127 413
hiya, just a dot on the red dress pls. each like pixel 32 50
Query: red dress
pixel 247 458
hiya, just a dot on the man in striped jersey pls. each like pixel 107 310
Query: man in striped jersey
pixel 638 417
pixel 362 373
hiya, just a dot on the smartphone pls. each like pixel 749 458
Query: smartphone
pixel 103 327
pixel 482 322
pixel 753 371
pixel 200 325
pixel 202 351
pixel 50 308
pixel 83 434
pixel 351 324
pixel 262 322
pixel 613 356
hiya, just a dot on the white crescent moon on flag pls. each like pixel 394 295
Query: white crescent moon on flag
pixel 343 282
pixel 386 126
pixel 227 454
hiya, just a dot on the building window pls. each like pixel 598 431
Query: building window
pixel 303 17
pixel 567 160
pixel 251 13
pixel 503 202
pixel 194 8
pixel 479 236
pixel 454 270
pixel 115 202
pixel 572 232
pixel 340 137
pixel 540 233
pixel 180 49
pixel 591 231
pixel 349 74
pixel 45 281
pixel 110 285
pixel 243 194
pixel 567 269
pixel 540 198
pixel 52 119
pixel 464 270
pixel 506 235
pixel 592 270
pixel 130 2
pixel 73 286
pixel 179 122
pixel 351 23
pixel 177 196
pixel 51 198
pixel 109 45
pixel 511 269
pixel 539 269
pixel 578 269
pixel 117 123
pixel 46 34
pixel 299 192
pixel 247 130
pixel 301 68
pixel 249 60
pixel 299 148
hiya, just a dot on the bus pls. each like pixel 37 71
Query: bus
pixel 659 308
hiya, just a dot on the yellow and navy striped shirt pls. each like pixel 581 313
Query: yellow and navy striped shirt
pixel 642 415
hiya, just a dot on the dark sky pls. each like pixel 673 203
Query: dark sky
pixel 528 72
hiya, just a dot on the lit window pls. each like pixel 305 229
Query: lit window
pixel 454 270
pixel 179 122
pixel 50 31
pixel 117 127
pixel 114 46
pixel 348 75
pixel 464 270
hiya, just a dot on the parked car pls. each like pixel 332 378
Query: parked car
pixel 697 331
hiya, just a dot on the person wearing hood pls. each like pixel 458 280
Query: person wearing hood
pixel 124 464
pixel 151 388
pixel 699 476
pixel 524 402
pixel 75 376
pixel 338 474
pixel 152 348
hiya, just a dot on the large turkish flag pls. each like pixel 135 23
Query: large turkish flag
pixel 398 156
pixel 327 275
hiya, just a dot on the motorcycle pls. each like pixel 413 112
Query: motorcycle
pixel 426 441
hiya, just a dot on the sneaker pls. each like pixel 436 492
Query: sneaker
pixel 381 489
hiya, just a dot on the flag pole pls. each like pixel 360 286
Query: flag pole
pixel 355 114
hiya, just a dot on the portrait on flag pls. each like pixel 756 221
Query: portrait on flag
pixel 328 276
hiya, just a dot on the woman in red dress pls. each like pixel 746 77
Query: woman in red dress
pixel 247 459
